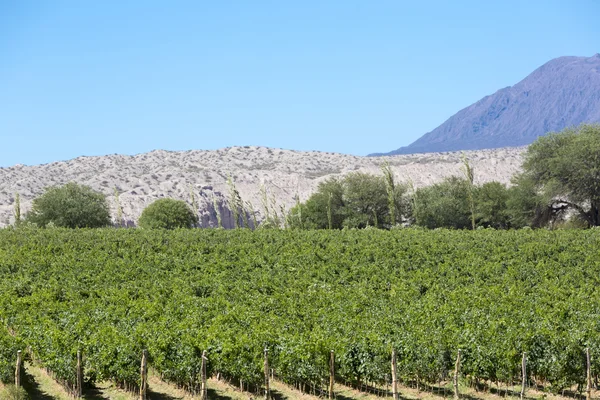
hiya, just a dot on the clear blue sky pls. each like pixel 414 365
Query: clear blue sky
pixel 102 77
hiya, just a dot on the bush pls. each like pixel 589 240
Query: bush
pixel 11 392
pixel 167 214
pixel 70 206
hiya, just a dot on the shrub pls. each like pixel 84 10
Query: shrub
pixel 11 392
pixel 167 214
pixel 70 206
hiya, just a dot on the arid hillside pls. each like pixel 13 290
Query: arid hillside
pixel 285 174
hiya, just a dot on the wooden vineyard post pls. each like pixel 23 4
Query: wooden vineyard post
pixel 524 372
pixel 456 371
pixel 18 370
pixel 394 376
pixel 204 390
pixel 267 389
pixel 79 392
pixel 588 389
pixel 331 373
pixel 144 375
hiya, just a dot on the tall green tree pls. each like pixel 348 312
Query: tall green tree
pixel 526 206
pixel 470 178
pixel 365 200
pixel 390 185
pixel 357 200
pixel 17 210
pixel 324 209
pixel 490 208
pixel 70 206
pixel 444 205
pixel 565 167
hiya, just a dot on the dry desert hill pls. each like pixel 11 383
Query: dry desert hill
pixel 285 174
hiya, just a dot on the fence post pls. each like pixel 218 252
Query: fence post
pixel 18 370
pixel 394 376
pixel 266 371
pixel 331 373
pixel 524 374
pixel 456 371
pixel 204 389
pixel 144 375
pixel 588 389
pixel 79 375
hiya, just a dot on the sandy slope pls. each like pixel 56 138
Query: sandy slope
pixel 143 178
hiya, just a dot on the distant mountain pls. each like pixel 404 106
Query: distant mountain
pixel 563 92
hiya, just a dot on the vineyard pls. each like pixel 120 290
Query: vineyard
pixel 300 294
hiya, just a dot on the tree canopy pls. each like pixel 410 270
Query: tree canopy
pixel 357 200
pixel 564 167
pixel 70 206
pixel 491 205
pixel 448 205
pixel 167 214
pixel 445 204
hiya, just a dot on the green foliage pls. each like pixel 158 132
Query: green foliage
pixel 271 219
pixel 112 293
pixel 70 206
pixel 448 205
pixel 490 205
pixel 167 214
pixel 565 168
pixel 17 211
pixel 235 202
pixel 390 187
pixel 444 204
pixel 365 200
pixel 9 345
pixel 11 392
pixel 526 206
pixel 119 218
pixel 357 200
pixel 217 211
pixel 325 208
pixel 470 178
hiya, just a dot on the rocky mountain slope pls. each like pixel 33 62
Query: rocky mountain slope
pixel 285 174
pixel 563 92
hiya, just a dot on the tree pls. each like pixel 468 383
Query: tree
pixel 357 200
pixel 235 201
pixel 119 219
pixel 17 210
pixel 470 177
pixel 325 205
pixel 70 206
pixel 526 206
pixel 168 214
pixel 390 186
pixel 443 205
pixel 365 200
pixel 565 169
pixel 490 209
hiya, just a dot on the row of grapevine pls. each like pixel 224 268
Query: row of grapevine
pixel 493 294
pixel 9 346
